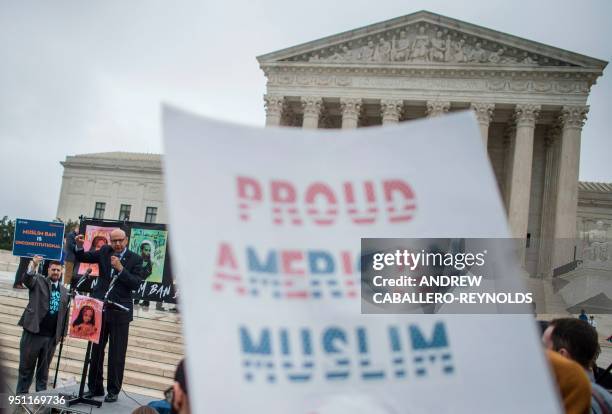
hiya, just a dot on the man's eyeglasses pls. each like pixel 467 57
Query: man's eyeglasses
pixel 117 241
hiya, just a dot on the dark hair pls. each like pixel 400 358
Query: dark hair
pixel 179 376
pixel 577 337
pixel 542 325
pixel 145 409
pixel 79 320
pixel 95 240
pixel 54 262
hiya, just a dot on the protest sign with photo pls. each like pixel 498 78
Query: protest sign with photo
pixel 150 244
pixel 149 241
pixel 95 238
pixel 86 318
pixel 266 246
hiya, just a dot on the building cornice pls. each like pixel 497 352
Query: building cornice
pixel 97 164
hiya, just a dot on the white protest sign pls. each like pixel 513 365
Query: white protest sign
pixel 266 229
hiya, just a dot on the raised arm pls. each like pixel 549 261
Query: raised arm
pixel 29 279
pixel 81 255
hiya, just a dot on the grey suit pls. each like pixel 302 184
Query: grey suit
pixel 36 351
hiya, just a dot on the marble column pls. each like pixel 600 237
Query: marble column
pixel 484 115
pixel 520 186
pixel 312 107
pixel 572 120
pixel 391 110
pixel 435 108
pixel 508 143
pixel 549 199
pixel 351 109
pixel 274 105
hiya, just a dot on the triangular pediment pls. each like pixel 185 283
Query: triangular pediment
pixel 428 38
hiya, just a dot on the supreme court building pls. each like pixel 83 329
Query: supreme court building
pixel 529 99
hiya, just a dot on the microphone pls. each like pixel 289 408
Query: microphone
pixel 84 278
pixel 114 279
pixel 118 306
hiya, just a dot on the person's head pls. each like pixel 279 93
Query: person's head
pixel 118 240
pixel 180 398
pixel 145 249
pixel 573 338
pixel 145 409
pixel 582 312
pixel 54 271
pixel 87 315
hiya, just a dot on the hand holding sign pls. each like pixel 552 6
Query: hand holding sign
pixel 36 260
pixel 35 263
pixel 79 241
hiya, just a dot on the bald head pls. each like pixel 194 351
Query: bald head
pixel 118 240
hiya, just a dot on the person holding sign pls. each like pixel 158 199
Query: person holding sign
pixel 120 272
pixel 42 323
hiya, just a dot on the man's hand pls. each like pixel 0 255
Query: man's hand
pixel 34 263
pixel 116 264
pixel 36 260
pixel 79 241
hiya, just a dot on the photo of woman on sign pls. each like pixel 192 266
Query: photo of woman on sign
pixel 86 318
pixel 85 323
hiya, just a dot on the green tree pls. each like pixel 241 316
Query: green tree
pixel 7 231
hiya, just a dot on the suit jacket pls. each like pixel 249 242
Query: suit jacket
pixel 128 280
pixel 38 306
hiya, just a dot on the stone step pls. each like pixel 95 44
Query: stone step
pixel 132 377
pixel 145 332
pixel 8 267
pixel 10 369
pixel 7 256
pixel 14 301
pixel 75 349
pixel 75 357
pixel 133 341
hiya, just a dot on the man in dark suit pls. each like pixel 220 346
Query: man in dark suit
pixel 120 273
pixel 43 323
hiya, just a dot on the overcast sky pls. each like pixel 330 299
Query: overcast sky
pixel 88 76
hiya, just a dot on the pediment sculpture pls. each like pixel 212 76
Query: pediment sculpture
pixel 426 43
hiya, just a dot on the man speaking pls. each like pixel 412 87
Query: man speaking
pixel 120 273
